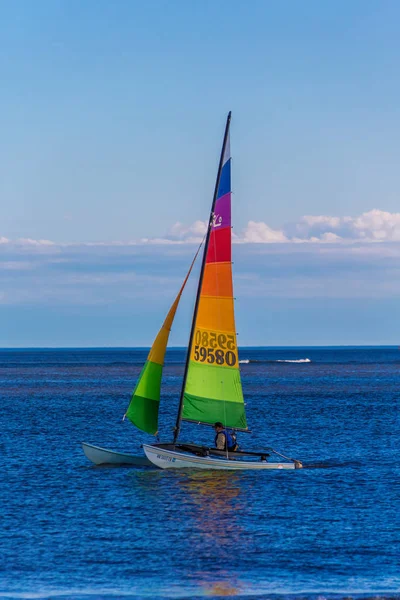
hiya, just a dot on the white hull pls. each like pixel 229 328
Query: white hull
pixel 103 456
pixel 171 459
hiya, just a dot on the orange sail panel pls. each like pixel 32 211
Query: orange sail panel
pixel 143 408
pixel 213 390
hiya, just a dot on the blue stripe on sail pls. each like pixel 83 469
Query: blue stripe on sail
pixel 225 180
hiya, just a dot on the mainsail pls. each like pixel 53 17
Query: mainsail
pixel 143 408
pixel 212 387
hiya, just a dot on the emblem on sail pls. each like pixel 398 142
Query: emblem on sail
pixel 216 220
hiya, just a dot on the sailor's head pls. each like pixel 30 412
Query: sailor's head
pixel 218 426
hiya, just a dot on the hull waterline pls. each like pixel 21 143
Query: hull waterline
pixel 104 456
pixel 171 459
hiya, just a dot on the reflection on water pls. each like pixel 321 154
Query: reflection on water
pixel 210 503
pixel 218 499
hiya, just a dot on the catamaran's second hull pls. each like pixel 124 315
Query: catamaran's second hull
pixel 104 456
pixel 172 459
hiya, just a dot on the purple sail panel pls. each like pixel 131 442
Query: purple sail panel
pixel 222 212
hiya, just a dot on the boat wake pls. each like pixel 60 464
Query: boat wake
pixel 246 361
pixel 332 464
pixel 300 360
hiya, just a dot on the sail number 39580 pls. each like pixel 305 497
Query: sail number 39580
pixel 214 348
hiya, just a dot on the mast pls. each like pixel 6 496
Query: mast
pixel 196 306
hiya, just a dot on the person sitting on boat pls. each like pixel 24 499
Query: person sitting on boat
pixel 223 439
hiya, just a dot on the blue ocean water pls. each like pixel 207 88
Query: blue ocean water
pixel 71 530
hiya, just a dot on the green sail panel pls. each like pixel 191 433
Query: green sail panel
pixel 219 396
pixel 143 408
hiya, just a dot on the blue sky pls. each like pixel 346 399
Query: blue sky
pixel 111 119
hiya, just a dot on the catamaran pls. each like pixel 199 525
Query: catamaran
pixel 211 387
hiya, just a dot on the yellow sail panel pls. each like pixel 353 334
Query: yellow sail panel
pixel 157 352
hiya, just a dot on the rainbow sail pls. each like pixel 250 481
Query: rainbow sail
pixel 143 408
pixel 212 388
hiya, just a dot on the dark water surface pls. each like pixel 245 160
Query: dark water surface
pixel 71 530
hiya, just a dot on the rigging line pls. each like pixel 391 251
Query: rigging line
pixel 282 455
pixel 193 261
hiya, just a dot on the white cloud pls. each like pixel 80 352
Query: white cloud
pixel 330 237
pixel 160 241
pixel 261 233
pixel 378 225
pixel 318 223
pixel 372 226
pixel 31 242
pixel 193 233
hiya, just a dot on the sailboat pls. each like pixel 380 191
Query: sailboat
pixel 211 387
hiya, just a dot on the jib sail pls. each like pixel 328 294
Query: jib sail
pixel 143 408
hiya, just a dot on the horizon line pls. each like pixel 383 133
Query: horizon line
pixel 7 348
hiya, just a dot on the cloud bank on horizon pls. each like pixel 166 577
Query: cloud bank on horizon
pixel 372 226
pixel 320 280
pixel 319 256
